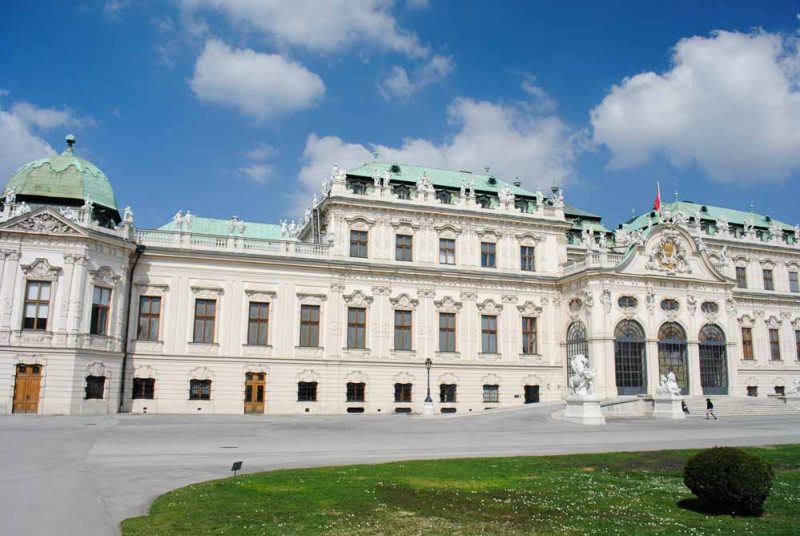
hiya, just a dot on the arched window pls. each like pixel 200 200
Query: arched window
pixel 713 360
pixel 630 358
pixel 672 354
pixel 576 342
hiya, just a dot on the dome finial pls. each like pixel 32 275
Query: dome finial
pixel 70 139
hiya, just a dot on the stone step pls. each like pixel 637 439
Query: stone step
pixel 731 405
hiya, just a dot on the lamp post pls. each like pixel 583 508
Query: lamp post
pixel 427 409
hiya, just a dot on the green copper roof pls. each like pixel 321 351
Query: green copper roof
pixel 438 177
pixel 711 213
pixel 213 226
pixel 64 176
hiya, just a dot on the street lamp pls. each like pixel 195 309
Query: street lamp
pixel 427 409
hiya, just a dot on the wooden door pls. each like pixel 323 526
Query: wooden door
pixel 255 386
pixel 26 389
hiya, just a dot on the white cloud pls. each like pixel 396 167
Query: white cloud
pixel 729 103
pixel 4 92
pixel 400 86
pixel 49 117
pixel 323 26
pixel 538 149
pixel 260 152
pixel 113 8
pixel 257 173
pixel 18 144
pixel 257 84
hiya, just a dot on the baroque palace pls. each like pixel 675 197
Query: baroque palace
pixel 391 266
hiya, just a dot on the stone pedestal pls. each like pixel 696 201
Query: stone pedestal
pixel 668 407
pixel 584 410
pixel 427 409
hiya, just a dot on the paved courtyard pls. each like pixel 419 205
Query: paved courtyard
pixel 83 475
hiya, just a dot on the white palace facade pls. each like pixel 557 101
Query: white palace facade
pixel 392 265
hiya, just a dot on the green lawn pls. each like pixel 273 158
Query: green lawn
pixel 620 493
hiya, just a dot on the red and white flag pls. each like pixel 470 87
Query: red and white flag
pixel 657 202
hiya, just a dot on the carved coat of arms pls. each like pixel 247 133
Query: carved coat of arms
pixel 669 255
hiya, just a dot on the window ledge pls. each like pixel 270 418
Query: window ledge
pixel 490 355
pixel 356 352
pixel 403 354
pixel 203 348
pixel 448 355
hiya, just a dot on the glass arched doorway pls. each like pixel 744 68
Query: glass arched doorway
pixel 630 360
pixel 713 361
pixel 672 354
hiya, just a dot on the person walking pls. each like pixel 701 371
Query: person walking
pixel 684 407
pixel 710 409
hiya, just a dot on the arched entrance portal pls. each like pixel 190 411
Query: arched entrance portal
pixel 630 358
pixel 672 354
pixel 713 361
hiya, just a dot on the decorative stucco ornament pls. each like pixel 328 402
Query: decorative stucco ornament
pixel 669 255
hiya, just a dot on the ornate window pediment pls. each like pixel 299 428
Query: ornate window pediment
pixel 41 269
pixel 403 377
pixel 96 369
pixel 356 376
pixel 529 309
pixel 404 301
pixel 447 305
pixel 669 254
pixel 311 299
pixel 489 306
pixel 207 293
pixel 404 224
pixel 528 239
pixel 448 377
pixel 447 230
pixel 105 277
pixel 773 322
pixel 360 223
pixel 145 371
pixel 260 295
pixel 491 379
pixel 488 235
pixel 357 299
pixel 767 263
pixel 201 373
pixel 308 375
pixel 151 289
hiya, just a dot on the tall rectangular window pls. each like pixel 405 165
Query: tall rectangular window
pixel 358 244
pixel 200 390
pixel 526 258
pixel 258 324
pixel 489 334
pixel 306 391
pixel 768 284
pixel 793 284
pixel 355 392
pixel 774 345
pixel 403 248
pixel 205 314
pixel 797 344
pixel 356 328
pixel 101 306
pixel 447 251
pixel 309 325
pixel 747 343
pixel 741 277
pixel 144 388
pixel 488 254
pixel 491 393
pixel 402 330
pixel 402 392
pixel 95 387
pixel 447 392
pixel 528 335
pixel 149 318
pixel 447 332
pixel 37 305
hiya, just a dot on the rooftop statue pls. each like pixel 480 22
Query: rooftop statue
pixel 505 195
pixel 10 195
pixel 127 215
pixel 187 221
pixel 178 220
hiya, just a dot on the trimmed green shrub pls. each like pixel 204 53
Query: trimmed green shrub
pixel 729 479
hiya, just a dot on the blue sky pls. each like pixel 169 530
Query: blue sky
pixel 242 108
